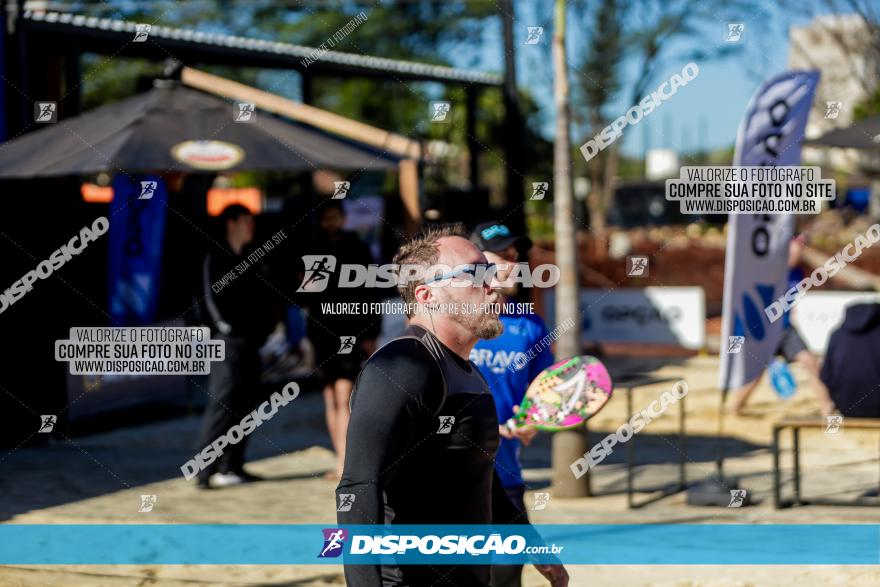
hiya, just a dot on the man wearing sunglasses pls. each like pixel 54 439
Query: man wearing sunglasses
pixel 423 432
pixel 498 358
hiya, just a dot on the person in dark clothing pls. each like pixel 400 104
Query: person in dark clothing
pixel 424 431
pixel 494 358
pixel 342 341
pixel 851 370
pixel 237 307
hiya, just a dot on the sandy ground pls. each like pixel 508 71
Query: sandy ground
pixel 99 478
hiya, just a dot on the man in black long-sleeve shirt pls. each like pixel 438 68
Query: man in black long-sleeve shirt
pixel 423 432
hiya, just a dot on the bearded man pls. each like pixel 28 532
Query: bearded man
pixel 424 432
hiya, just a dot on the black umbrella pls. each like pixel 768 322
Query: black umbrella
pixel 864 134
pixel 175 128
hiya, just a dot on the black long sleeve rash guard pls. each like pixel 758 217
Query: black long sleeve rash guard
pixel 404 467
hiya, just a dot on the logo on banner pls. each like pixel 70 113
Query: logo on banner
pixel 334 540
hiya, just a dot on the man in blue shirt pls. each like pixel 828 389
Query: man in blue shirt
pixel 498 360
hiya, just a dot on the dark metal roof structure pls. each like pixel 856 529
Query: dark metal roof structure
pixel 173 127
pixel 110 36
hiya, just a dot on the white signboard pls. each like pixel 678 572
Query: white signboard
pixel 670 315
pixel 820 313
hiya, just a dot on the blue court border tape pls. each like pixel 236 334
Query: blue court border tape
pixel 611 544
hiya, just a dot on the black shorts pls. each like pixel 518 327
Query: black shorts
pixel 333 367
pixel 790 344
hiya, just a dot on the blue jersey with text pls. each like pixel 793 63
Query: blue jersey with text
pixel 497 360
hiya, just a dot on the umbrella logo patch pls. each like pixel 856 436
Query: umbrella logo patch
pixel 212 155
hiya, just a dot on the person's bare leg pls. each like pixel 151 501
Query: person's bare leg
pixel 343 388
pixel 810 363
pixel 741 396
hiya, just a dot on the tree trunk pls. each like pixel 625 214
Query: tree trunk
pixel 596 206
pixel 612 163
pixel 517 167
pixel 570 444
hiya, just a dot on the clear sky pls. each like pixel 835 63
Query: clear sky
pixel 705 113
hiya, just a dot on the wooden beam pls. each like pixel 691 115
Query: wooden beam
pixel 382 139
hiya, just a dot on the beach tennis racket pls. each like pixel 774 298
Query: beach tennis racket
pixel 565 395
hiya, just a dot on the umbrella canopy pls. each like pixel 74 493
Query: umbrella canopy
pixel 864 134
pixel 175 128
